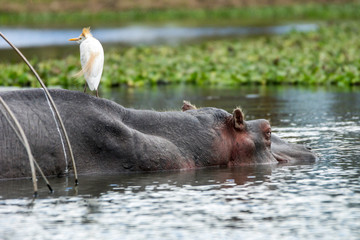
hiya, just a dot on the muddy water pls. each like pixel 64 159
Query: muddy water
pixel 316 201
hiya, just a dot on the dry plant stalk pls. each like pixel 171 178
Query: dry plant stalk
pixel 25 142
pixel 51 101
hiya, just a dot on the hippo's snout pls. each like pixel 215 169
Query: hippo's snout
pixel 293 153
pixel 284 151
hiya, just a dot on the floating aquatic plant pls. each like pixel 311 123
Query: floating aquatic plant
pixel 329 55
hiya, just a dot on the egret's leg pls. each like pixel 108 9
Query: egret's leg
pixel 97 92
pixel 85 88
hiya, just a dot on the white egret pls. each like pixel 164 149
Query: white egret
pixel 91 58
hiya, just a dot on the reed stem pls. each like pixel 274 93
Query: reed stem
pixel 22 141
pixel 51 101
pixel 26 144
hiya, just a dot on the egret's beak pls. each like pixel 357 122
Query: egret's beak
pixel 74 39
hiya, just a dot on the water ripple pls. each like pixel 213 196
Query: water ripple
pixel 315 201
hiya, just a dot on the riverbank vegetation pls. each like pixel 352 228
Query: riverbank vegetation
pixel 330 55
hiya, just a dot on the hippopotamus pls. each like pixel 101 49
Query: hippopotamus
pixel 109 138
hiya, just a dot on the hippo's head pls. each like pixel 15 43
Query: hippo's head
pixel 255 143
pixel 252 142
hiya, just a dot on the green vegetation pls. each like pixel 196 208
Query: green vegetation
pixel 248 15
pixel 329 55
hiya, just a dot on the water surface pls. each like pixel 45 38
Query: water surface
pixel 53 43
pixel 135 35
pixel 314 201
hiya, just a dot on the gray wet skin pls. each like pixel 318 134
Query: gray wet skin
pixel 108 138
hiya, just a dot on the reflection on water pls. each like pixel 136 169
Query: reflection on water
pixel 317 201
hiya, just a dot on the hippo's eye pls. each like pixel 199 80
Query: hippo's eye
pixel 268 134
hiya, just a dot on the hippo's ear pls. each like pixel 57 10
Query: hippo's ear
pixel 238 117
pixel 187 106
